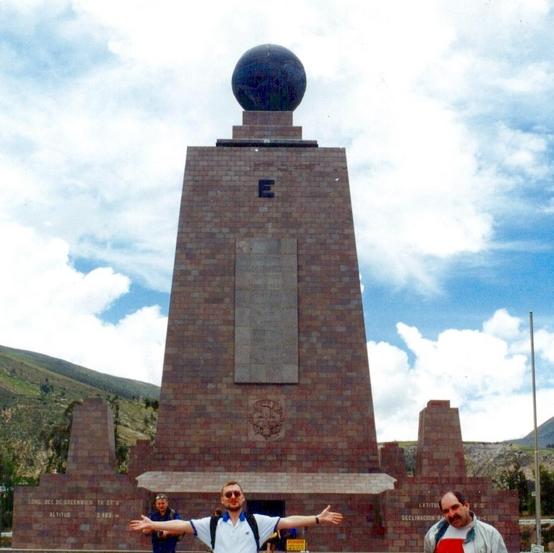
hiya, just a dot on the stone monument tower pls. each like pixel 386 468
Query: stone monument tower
pixel 266 374
pixel 265 378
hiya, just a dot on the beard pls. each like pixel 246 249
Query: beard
pixel 234 508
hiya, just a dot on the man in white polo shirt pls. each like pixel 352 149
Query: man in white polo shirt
pixel 235 532
pixel 460 531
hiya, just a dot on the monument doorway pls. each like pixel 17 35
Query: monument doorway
pixel 269 507
pixel 272 508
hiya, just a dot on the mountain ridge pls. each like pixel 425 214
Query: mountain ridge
pixel 545 436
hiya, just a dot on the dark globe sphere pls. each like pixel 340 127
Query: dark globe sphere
pixel 269 78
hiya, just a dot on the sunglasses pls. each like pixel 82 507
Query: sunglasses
pixel 234 493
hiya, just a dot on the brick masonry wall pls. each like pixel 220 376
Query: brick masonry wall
pixel 92 442
pixel 440 450
pixel 204 417
pixel 267 125
pixel 77 512
pixel 393 460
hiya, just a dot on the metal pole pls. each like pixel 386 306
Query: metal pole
pixel 537 465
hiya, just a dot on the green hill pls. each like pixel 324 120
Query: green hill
pixel 123 387
pixel 36 395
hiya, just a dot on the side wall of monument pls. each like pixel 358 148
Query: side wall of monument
pixel 266 230
pixel 89 506
pixel 266 365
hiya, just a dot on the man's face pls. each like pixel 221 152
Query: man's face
pixel 457 514
pixel 161 505
pixel 232 497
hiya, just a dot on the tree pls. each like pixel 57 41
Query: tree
pixel 153 403
pixel 9 478
pixel 45 388
pixel 121 449
pixel 514 478
pixel 57 441
pixel 547 493
pixel 8 470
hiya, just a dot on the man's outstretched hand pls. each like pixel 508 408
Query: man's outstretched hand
pixel 140 525
pixel 328 517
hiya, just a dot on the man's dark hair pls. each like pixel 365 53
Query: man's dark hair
pixel 459 496
pixel 231 483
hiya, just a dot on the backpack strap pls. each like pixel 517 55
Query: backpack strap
pixel 213 526
pixel 251 519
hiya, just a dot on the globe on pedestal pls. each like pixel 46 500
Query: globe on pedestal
pixel 269 78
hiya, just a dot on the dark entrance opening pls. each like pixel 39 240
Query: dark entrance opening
pixel 271 508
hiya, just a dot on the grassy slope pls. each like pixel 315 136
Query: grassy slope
pixel 114 385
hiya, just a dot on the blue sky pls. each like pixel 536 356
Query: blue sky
pixel 445 111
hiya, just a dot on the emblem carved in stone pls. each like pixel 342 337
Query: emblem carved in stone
pixel 267 419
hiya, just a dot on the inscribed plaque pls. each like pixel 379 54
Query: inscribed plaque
pixel 266 311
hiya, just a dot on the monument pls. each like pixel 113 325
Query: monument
pixel 265 376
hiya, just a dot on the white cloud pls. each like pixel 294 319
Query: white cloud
pixel 396 82
pixel 525 152
pixel 49 307
pixel 105 176
pixel 478 371
pixel 544 345
pixel 424 189
pixel 436 103
pixel 396 411
pixel 503 325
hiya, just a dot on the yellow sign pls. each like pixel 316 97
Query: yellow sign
pixel 296 545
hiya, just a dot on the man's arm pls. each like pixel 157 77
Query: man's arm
pixel 148 531
pixel 498 545
pixel 429 542
pixel 299 521
pixel 174 527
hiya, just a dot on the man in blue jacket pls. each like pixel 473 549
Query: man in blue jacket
pixel 162 541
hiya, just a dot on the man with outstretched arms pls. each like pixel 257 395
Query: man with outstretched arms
pixel 234 531
pixel 459 531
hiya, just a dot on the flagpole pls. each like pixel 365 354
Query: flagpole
pixel 537 465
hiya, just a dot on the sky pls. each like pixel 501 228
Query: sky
pixel 446 114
